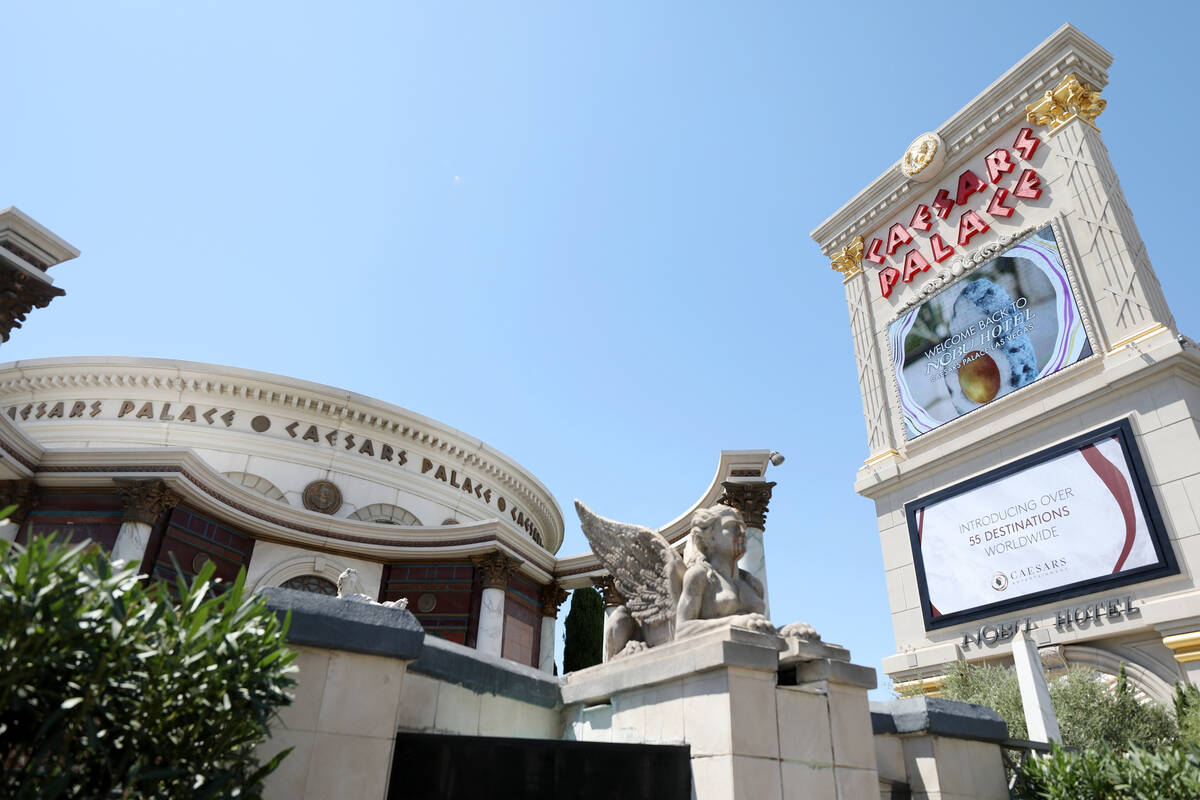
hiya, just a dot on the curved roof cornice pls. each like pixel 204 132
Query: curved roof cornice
pixel 338 406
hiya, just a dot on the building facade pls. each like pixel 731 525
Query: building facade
pixel 172 464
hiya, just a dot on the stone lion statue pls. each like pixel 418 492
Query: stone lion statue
pixel 349 587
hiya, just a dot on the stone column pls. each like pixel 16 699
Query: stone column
pixel 23 495
pixel 752 498
pixel 553 596
pixel 1128 298
pixel 1035 694
pixel 145 502
pixel 869 351
pixel 494 569
pixel 612 598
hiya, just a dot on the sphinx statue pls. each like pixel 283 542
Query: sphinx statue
pixel 668 596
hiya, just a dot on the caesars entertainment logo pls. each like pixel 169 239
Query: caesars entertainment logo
pixel 1001 580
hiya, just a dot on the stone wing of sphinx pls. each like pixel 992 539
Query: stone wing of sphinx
pixel 644 566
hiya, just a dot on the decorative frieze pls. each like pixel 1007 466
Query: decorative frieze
pixel 19 493
pixel 608 590
pixel 1070 99
pixel 495 569
pixel 552 598
pixel 751 498
pixel 145 501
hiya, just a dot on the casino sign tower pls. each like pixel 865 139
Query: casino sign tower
pixel 1031 408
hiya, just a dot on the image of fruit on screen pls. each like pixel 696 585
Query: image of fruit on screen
pixel 1004 325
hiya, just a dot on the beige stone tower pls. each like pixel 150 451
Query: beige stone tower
pixel 1031 409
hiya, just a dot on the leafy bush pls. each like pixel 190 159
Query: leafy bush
pixel 112 689
pixel 988 685
pixel 1090 713
pixel 1187 714
pixel 1106 773
pixel 583 630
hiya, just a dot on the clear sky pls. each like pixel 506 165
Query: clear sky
pixel 577 231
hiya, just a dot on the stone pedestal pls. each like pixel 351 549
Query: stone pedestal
pixel 927 747
pixel 352 659
pixel 750 737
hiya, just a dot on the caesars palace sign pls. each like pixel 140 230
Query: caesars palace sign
pixel 1005 169
pixel 262 424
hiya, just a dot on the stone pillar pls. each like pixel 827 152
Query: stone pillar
pixel 1035 694
pixel 752 498
pixel 553 596
pixel 23 495
pixel 1128 298
pixel 145 502
pixel 494 569
pixel 612 599
pixel 869 352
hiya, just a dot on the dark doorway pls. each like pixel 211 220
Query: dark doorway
pixel 429 766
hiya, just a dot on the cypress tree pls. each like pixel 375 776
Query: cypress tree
pixel 584 630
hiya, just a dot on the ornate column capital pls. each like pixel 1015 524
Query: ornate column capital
pixel 1071 98
pixel 848 261
pixel 1184 646
pixel 21 493
pixel 552 597
pixel 609 591
pixel 495 569
pixel 145 501
pixel 749 497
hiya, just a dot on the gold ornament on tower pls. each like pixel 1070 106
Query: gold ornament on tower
pixel 848 260
pixel 1070 99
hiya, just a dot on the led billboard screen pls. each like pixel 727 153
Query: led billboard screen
pixel 1076 518
pixel 1007 323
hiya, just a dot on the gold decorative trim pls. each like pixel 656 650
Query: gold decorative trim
pixel 1070 99
pixel 884 456
pixel 1185 646
pixel 927 687
pixel 1137 338
pixel 848 260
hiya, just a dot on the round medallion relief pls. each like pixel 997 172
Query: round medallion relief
pixel 426 603
pixel 323 497
pixel 198 562
pixel 924 158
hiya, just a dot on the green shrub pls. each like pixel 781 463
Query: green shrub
pixel 1187 714
pixel 583 630
pixel 1105 773
pixel 1090 713
pixel 988 685
pixel 112 689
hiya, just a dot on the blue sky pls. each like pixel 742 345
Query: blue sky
pixel 576 231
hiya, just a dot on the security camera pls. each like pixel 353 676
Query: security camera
pixel 776 458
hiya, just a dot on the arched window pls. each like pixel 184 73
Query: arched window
pixel 257 483
pixel 385 513
pixel 311 583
